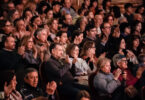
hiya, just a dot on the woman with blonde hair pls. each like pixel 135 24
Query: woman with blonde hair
pixel 105 82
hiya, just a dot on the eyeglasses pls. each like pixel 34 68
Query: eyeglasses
pixel 107 27
pixel 124 61
pixel 8 25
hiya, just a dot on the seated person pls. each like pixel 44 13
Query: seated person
pixel 80 66
pixel 30 89
pixel 105 82
pixel 59 70
pixel 8 86
pixel 127 77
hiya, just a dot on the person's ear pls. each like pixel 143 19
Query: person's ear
pixel 118 63
pixel 53 51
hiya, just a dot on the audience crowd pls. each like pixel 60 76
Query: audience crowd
pixel 50 50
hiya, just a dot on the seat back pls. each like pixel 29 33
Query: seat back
pixel 94 93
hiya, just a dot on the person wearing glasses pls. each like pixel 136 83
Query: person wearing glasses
pixel 127 78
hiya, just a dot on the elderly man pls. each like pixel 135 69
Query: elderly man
pixel 59 70
pixel 30 89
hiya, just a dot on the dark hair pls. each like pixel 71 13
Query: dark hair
pixel 47 10
pixel 133 25
pixel 116 11
pixel 60 33
pixel 41 5
pixel 55 3
pixel 104 3
pixel 123 26
pixel 24 12
pixel 3 23
pixel 90 26
pixel 138 8
pixel 6 76
pixel 107 16
pixel 102 25
pixel 16 20
pixel 69 48
pixel 127 5
pixel 52 46
pixel 5 39
pixel 141 58
pixel 130 41
pixel 33 18
pixel 76 33
pixel 29 70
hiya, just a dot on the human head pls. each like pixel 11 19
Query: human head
pixel 128 8
pixel 63 36
pixel 56 50
pixel 136 27
pixel 72 50
pixel 88 49
pixel 106 3
pixel 134 42
pixel 68 19
pixel 54 24
pixel 13 15
pixel 116 31
pixel 77 36
pixel 106 28
pixel 81 22
pixel 119 61
pixel 109 18
pixel 11 5
pixel 83 95
pixel 67 3
pixel 31 77
pixel 103 64
pixel 91 31
pixel 138 17
pixel 20 24
pixel 116 12
pixel 98 19
pixel 140 9
pixel 28 42
pixel 8 77
pixel 122 44
pixel 9 42
pixel 41 34
pixel 6 26
pixel 56 6
pixel 141 59
pixel 36 20
pixel 49 13
pixel 125 28
pixel 27 13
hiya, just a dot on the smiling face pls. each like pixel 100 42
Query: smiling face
pixel 30 44
pixel 75 52
pixel 122 63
